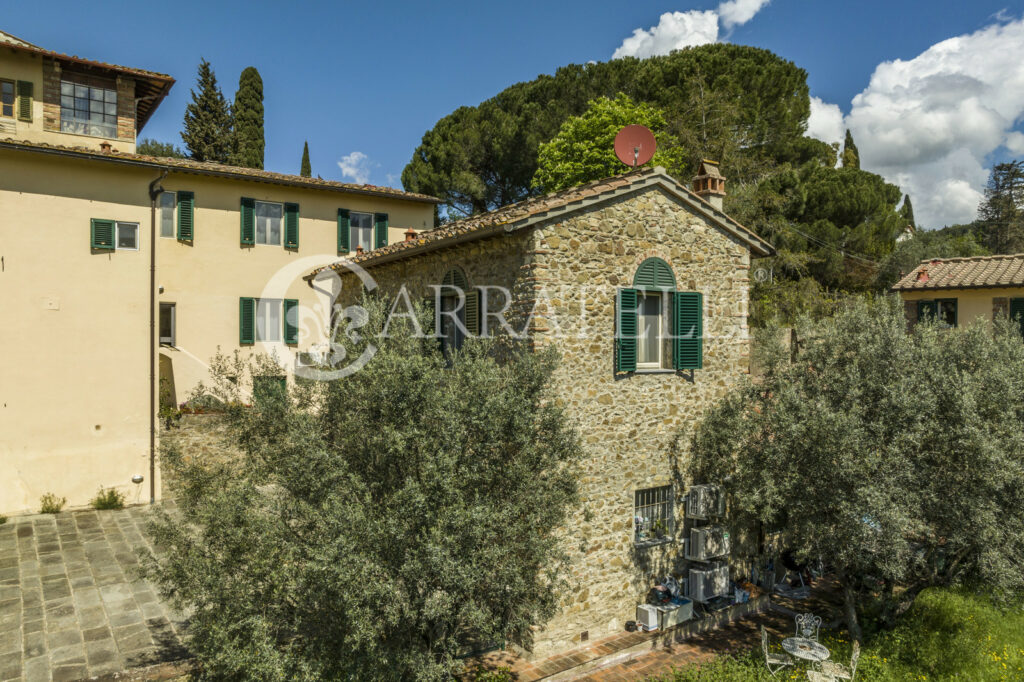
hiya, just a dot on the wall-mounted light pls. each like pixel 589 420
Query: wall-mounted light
pixel 137 478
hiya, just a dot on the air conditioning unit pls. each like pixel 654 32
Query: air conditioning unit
pixel 647 616
pixel 705 501
pixel 707 583
pixel 708 542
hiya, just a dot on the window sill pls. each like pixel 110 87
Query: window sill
pixel 653 370
pixel 653 543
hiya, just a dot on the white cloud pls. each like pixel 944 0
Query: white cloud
pixel 355 167
pixel 676 30
pixel 930 122
pixel 738 12
pixel 825 122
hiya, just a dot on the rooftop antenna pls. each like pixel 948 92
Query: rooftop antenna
pixel 635 145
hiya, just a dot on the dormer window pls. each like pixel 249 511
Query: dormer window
pixel 88 110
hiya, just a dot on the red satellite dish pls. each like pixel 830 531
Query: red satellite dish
pixel 635 145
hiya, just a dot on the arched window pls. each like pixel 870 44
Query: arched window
pixel 658 327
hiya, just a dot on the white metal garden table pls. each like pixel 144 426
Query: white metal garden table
pixel 804 648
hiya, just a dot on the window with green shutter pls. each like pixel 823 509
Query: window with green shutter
pixel 654 273
pixel 102 234
pixel 291 226
pixel 291 321
pixel 247 219
pixel 625 330
pixel 246 321
pixel 687 330
pixel 380 230
pixel 1017 312
pixel 186 218
pixel 343 230
pixel 25 94
pixel 453 314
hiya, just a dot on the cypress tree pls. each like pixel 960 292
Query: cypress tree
pixel 248 111
pixel 207 133
pixel 907 211
pixel 306 170
pixel 851 157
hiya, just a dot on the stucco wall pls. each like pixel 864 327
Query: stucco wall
pixel 74 364
pixel 570 269
pixel 972 304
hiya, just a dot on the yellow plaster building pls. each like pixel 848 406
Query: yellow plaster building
pixel 126 274
pixel 958 291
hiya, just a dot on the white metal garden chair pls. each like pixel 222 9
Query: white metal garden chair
pixel 815 676
pixel 807 626
pixel 774 662
pixel 839 671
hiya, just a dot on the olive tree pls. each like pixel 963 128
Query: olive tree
pixel 896 458
pixel 375 524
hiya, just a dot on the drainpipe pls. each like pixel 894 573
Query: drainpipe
pixel 155 190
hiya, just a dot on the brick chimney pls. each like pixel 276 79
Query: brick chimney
pixel 410 235
pixel 709 184
pixel 105 147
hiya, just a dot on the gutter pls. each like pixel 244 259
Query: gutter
pixel 155 190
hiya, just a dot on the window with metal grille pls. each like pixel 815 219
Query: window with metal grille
pixel 653 516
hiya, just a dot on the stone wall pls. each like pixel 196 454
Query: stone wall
pixel 567 272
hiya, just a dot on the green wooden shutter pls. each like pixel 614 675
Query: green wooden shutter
pixel 247 216
pixel 473 312
pixel 25 93
pixel 1017 312
pixel 344 230
pixel 380 230
pixel 654 273
pixel 291 226
pixel 291 320
pixel 687 330
pixel 102 234
pixel 246 320
pixel 625 331
pixel 926 309
pixel 186 217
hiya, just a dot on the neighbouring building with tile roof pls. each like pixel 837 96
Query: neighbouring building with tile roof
pixel 960 290
pixel 642 285
pixel 126 274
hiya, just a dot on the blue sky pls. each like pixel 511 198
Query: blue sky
pixel 373 77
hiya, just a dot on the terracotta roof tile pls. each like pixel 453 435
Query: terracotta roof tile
pixel 477 225
pixel 965 273
pixel 218 169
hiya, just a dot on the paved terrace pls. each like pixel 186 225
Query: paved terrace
pixel 71 603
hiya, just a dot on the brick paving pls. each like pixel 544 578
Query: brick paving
pixel 71 603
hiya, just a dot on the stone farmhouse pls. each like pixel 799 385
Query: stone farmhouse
pixel 642 284
pixel 127 273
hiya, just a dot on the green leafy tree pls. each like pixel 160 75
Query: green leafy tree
pixel 150 147
pixel 924 245
pixel 895 458
pixel 373 523
pixel 907 211
pixel 305 170
pixel 248 120
pixel 208 125
pixel 851 157
pixel 1001 214
pixel 584 148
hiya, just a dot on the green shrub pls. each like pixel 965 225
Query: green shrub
pixel 108 498
pixel 51 504
pixel 3 519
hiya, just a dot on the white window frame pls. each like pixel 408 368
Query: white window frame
pixel 353 230
pixel 256 224
pixel 174 214
pixel 640 341
pixel 278 305
pixel 117 236
pixel 14 102
pixel 168 340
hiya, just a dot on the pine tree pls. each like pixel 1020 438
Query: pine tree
pixel 306 170
pixel 1001 214
pixel 851 157
pixel 907 211
pixel 207 133
pixel 248 113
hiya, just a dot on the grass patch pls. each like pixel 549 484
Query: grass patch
pixel 108 498
pixel 947 636
pixel 51 504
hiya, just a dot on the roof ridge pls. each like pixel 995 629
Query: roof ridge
pixel 964 259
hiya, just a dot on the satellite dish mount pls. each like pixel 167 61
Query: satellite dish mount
pixel 635 145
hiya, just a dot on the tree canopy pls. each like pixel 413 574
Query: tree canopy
pixel 248 120
pixel 895 458
pixel 305 170
pixel 949 242
pixel 150 147
pixel 208 125
pixel 373 524
pixel 850 157
pixel 583 149
pixel 1001 214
